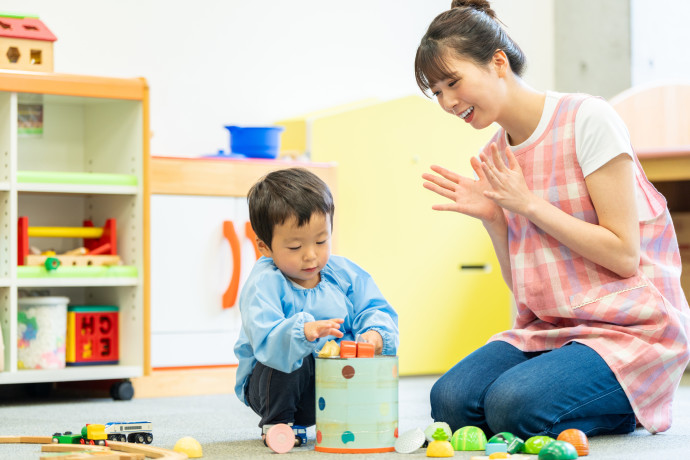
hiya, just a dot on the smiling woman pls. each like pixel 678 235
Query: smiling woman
pixel 571 215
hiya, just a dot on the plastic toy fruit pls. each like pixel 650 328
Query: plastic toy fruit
pixel 189 446
pixel 535 444
pixel 440 446
pixel 431 429
pixel 558 450
pixel 514 443
pixel 330 350
pixel 469 438
pixel 577 438
pixel 410 441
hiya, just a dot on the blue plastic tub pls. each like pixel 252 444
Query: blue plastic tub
pixel 255 141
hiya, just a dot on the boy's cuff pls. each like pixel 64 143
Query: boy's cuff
pixel 388 347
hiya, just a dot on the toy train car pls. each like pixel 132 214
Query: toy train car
pixel 139 432
pixel 93 434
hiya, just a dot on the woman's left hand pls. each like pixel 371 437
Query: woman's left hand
pixel 508 186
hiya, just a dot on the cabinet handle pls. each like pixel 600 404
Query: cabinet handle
pixel 230 295
pixel 249 233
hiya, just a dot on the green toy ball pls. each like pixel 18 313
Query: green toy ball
pixel 514 443
pixel 558 450
pixel 469 438
pixel 535 444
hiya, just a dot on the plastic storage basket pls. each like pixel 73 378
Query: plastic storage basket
pixel 42 327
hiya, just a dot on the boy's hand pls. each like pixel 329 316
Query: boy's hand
pixel 316 329
pixel 372 336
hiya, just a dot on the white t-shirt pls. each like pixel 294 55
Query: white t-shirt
pixel 600 136
pixel 600 133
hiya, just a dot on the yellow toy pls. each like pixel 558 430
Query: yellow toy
pixel 330 350
pixel 440 446
pixel 189 446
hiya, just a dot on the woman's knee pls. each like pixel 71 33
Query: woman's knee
pixel 515 409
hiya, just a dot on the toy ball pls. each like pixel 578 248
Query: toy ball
pixel 431 429
pixel 535 444
pixel 439 449
pixel 469 438
pixel 513 443
pixel 410 441
pixel 189 446
pixel 577 438
pixel 558 450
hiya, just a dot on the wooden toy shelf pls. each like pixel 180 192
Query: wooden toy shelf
pixel 84 158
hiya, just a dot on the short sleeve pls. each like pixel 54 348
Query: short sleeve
pixel 600 135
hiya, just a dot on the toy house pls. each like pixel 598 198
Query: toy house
pixel 25 44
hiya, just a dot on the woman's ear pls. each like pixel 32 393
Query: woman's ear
pixel 500 63
pixel 263 248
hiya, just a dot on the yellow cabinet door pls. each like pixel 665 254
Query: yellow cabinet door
pixel 437 269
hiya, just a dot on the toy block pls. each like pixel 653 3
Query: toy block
pixel 92 335
pixel 348 349
pixel 365 350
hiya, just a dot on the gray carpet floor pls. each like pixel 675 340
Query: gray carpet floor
pixel 227 429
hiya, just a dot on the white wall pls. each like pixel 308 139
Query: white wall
pixel 256 61
pixel 660 35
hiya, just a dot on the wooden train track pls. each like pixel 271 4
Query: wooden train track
pixel 114 451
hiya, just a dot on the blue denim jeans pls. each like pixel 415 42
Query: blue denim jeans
pixel 500 388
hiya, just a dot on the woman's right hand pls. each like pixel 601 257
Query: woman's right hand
pixel 467 195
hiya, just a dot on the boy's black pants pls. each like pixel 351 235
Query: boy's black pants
pixel 283 398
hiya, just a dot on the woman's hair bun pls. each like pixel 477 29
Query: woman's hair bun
pixel 480 5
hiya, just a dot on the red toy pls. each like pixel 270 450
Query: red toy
pixel 92 335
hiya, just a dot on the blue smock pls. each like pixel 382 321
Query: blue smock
pixel 274 310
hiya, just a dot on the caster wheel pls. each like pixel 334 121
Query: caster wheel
pixel 122 391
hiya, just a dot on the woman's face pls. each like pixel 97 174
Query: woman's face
pixel 472 93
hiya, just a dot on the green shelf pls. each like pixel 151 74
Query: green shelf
pixel 114 271
pixel 75 178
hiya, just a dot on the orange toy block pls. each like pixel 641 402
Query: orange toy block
pixel 365 350
pixel 348 349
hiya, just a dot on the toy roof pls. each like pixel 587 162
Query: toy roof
pixel 25 27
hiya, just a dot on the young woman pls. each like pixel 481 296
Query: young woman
pixel 584 241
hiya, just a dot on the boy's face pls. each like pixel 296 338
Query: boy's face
pixel 301 252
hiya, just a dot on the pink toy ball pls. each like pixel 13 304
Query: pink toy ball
pixel 280 438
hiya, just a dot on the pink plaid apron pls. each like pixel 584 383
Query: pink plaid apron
pixel 638 325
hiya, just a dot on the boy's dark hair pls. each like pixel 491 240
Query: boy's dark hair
pixel 286 193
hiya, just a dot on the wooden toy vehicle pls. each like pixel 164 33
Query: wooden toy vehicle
pixel 67 438
pixel 92 433
pixel 138 432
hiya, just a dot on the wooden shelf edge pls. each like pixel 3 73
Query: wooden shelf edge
pixel 72 85
pixel 213 177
